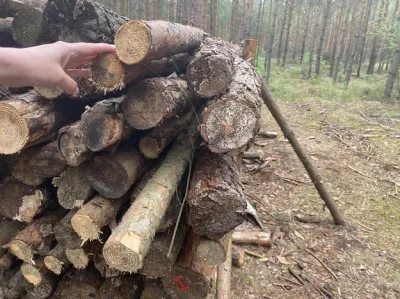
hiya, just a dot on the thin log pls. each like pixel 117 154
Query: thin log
pixel 266 134
pixel 216 200
pixel 103 125
pixel 66 18
pixel 112 176
pixel 38 274
pixel 210 72
pixel 254 238
pixel 65 234
pixel 225 274
pixel 238 257
pixel 250 50
pixel 6 261
pixel 29 120
pixel 251 155
pixel 9 230
pixel 73 187
pixel 301 153
pixel 138 41
pixel 131 240
pixel 56 261
pixel 112 74
pixel 24 203
pixel 171 215
pixel 230 122
pixel 121 288
pixel 15 287
pixel 150 102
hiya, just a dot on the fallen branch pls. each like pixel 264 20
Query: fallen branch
pixel 322 263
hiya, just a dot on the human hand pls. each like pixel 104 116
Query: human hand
pixel 49 65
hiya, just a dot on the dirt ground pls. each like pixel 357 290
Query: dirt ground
pixel 356 147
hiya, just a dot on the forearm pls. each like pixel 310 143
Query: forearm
pixel 12 73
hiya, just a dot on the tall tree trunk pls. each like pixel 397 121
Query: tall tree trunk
pixel 249 19
pixel 356 38
pixel 303 43
pixel 271 42
pixel 364 37
pixel 147 9
pixel 204 14
pixel 281 34
pixel 267 35
pixel 336 40
pixel 214 17
pixel 259 17
pixel 171 10
pixel 139 9
pixel 322 36
pixel 285 51
pixel 374 50
pixel 196 11
pixel 393 73
pixel 260 30
pixel 158 9
pixel 295 46
pixel 234 20
pixel 243 18
pixel 312 47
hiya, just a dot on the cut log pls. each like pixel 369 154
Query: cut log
pixel 94 215
pixel 103 125
pixel 138 41
pixel 35 238
pixel 225 274
pixel 66 18
pixel 34 165
pixel 70 143
pixel 105 270
pixel 191 277
pixel 157 263
pixel 216 200
pixel 6 261
pixel 130 241
pixel 250 50
pixel 9 230
pixel 254 238
pixel 238 257
pixel 112 176
pixel 73 188
pixel 24 203
pixel 79 284
pixel 150 102
pixel 153 289
pixel 81 257
pixel 49 92
pixel 210 72
pixel 121 288
pixel 15 288
pixel 112 74
pixel 251 155
pixel 26 120
pixel 56 260
pixel 214 252
pixel 158 139
pixel 171 215
pixel 266 134
pixel 231 121
pixel 38 274
pixel 65 234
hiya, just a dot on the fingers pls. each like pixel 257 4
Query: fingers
pixel 68 85
pixel 77 73
pixel 86 49
pixel 79 61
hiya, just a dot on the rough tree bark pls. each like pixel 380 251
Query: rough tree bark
pixel 285 51
pixel 393 73
pixel 9 8
pixel 249 19
pixel 250 50
pixel 15 287
pixel 322 36
pixel 139 41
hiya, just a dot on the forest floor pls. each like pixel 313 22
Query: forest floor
pixel 354 141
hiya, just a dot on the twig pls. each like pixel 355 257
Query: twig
pixel 254 254
pixel 286 179
pixel 322 263
pixel 363 174
pixel 364 226
pixel 359 289
pixel 291 281
pixel 297 277
pixel 284 286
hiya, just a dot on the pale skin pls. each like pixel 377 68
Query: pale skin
pixel 48 65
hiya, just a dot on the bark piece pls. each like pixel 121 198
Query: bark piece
pixel 225 274
pixel 231 121
pixel 249 50
pixel 66 18
pixel 112 176
pixel 121 288
pixel 153 289
pixel 29 120
pixel 130 241
pixel 210 72
pixel 103 125
pixel 56 261
pixel 24 203
pixel 254 238
pixel 111 74
pixel 73 187
pixel 216 201
pixel 138 41
pixel 35 238
pixel 238 257
pixel 150 102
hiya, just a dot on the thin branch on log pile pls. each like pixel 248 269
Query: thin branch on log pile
pixel 224 275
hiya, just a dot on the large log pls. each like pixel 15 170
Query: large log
pixel 34 165
pixel 71 146
pixel 122 287
pixel 15 287
pixel 73 187
pixel 103 125
pixel 138 41
pixel 216 200
pixel 191 277
pixel 26 120
pixel 24 203
pixel 130 241
pixel 9 230
pixel 112 74
pixel 150 102
pixel 230 122
pixel 56 261
pixel 112 176
pixel 35 238
pixel 9 8
pixel 211 70
pixel 214 252
pixel 67 18
pixel 225 275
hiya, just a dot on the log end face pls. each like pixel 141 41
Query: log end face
pixel 85 227
pixel 31 206
pixel 211 252
pixel 73 149
pixel 77 257
pixel 149 148
pixel 27 26
pixel 14 131
pixel 108 72
pixel 31 274
pixel 49 92
pixel 21 250
pixel 133 42
pixel 96 130
pixel 53 264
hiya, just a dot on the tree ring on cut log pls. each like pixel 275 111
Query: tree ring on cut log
pixel 108 71
pixel 14 131
pixel 85 227
pixel 27 26
pixel 21 250
pixel 31 274
pixel 132 42
pixel 211 252
pixel 198 286
pixel 53 264
pixel 150 148
pixel 228 125
pixel 49 92
pixel 77 257
pixel 209 76
pixel 120 257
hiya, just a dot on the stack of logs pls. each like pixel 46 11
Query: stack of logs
pixel 131 188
